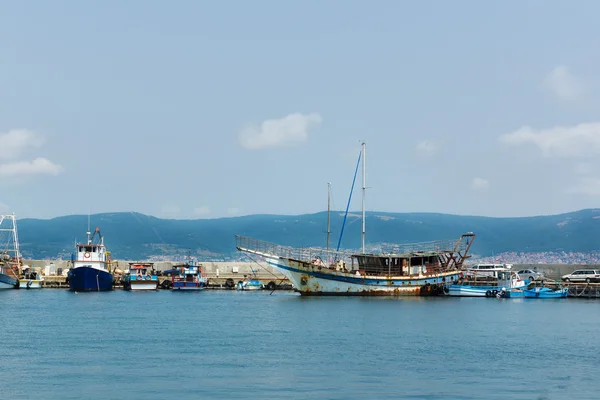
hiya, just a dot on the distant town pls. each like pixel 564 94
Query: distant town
pixel 547 257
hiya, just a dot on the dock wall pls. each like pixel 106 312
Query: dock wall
pixel 213 269
pixel 264 271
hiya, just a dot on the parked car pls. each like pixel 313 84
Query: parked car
pixel 530 275
pixel 583 275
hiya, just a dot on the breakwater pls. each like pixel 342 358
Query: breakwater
pixel 237 270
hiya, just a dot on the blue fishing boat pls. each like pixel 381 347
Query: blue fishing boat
pixel 188 277
pixel 533 292
pixel 502 281
pixel 91 266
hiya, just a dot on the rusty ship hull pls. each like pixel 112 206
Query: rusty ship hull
pixel 313 280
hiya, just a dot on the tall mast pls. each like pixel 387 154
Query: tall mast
pixel 364 187
pixel 328 212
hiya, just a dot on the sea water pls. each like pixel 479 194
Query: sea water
pixel 58 344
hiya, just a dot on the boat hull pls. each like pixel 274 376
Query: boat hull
pixel 473 291
pixel 186 286
pixel 546 294
pixel 8 282
pixel 88 279
pixel 312 280
pixel 141 285
pixel 30 283
pixel 250 285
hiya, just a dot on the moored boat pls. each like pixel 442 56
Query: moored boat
pixel 30 278
pixel 534 291
pixel 10 256
pixel 412 270
pixel 140 277
pixel 188 277
pixel 250 284
pixel 91 266
pixel 8 279
pixel 489 285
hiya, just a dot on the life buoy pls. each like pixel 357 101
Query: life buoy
pixel 148 277
pixel 139 277
pixel 86 255
pixel 488 293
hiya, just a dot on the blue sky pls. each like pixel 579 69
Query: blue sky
pixel 197 109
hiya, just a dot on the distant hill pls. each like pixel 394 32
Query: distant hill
pixel 132 235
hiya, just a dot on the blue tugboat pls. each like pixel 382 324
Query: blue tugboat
pixel 91 266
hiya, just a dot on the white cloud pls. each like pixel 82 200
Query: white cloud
pixel 480 183
pixel 39 166
pixel 292 128
pixel 560 141
pixel 201 210
pixel 585 186
pixel 15 141
pixel 563 84
pixel 426 146
pixel 233 211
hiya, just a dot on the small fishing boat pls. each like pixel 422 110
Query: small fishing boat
pixel 188 277
pixel 250 284
pixel 533 291
pixel 91 266
pixel 140 277
pixel 30 278
pixel 10 257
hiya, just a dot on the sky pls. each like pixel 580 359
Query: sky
pixel 205 109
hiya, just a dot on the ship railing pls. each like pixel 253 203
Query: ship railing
pixel 312 254
pixel 436 246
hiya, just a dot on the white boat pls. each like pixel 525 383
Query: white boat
pixel 412 269
pixel 10 256
pixel 140 277
pixel 30 278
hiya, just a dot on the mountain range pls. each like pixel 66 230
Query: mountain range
pixel 130 235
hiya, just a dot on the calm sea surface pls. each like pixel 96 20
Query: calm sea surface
pixel 226 344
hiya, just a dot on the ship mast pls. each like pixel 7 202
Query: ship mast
pixel 364 187
pixel 328 212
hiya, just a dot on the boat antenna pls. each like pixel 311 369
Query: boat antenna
pixel 328 212
pixel 88 229
pixel 364 189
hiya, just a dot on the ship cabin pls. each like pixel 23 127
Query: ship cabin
pixel 90 252
pixel 406 264
pixel 142 271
